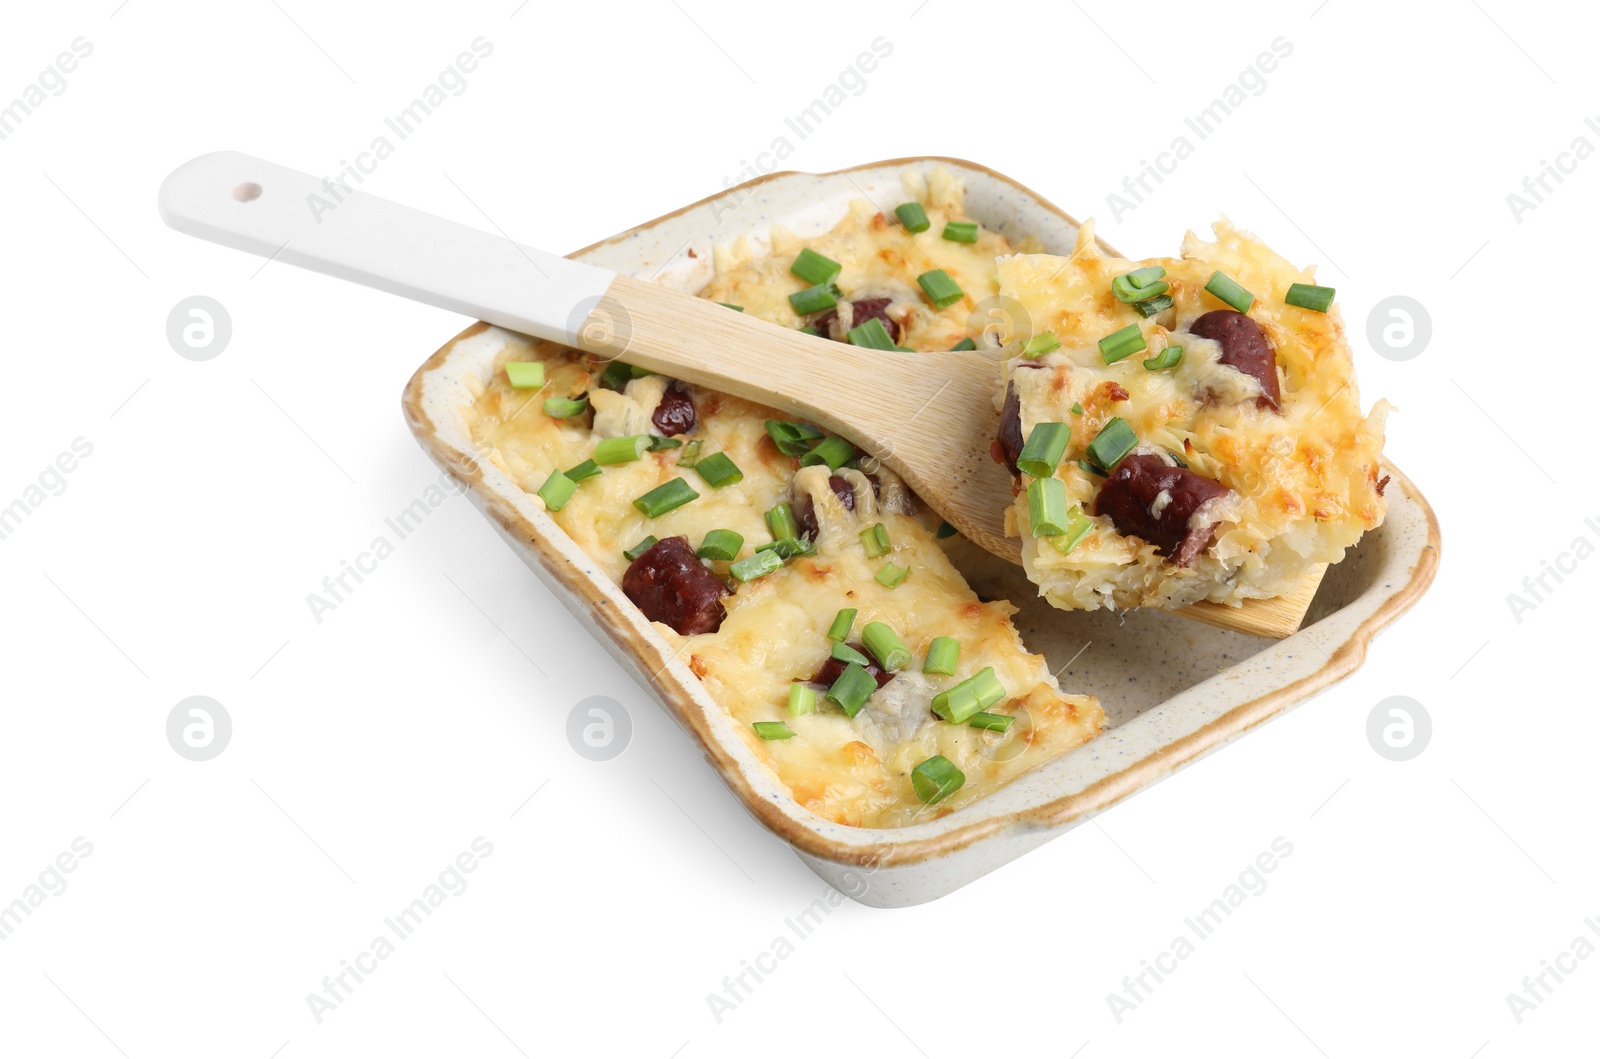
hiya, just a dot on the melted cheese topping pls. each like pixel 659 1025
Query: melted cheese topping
pixel 854 771
pixel 1304 480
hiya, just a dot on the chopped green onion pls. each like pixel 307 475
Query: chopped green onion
pixel 1077 408
pixel 871 335
pixel 557 490
pixel 913 216
pixel 1177 459
pixel 941 290
pixel 1089 468
pixel 812 300
pixel 936 779
pixel 780 522
pixel 525 374
pixel 987 687
pixel 760 564
pixel 1230 293
pixel 1078 527
pixel 1126 292
pixel 943 653
pixel 721 545
pixel 875 539
pixel 802 698
pixel 665 497
pixel 891 575
pixel 788 547
pixel 657 443
pixel 718 470
pixel 773 730
pixel 1039 345
pixel 565 408
pixel 1301 295
pixel 616 375
pixel 852 690
pixel 961 232
pixel 814 268
pixel 735 308
pixel 1115 440
pixel 1121 344
pixel 834 451
pixel 586 469
pixel 1046 444
pixel 1152 306
pixel 842 621
pixel 886 646
pixel 944 530
pixel 1144 277
pixel 991 722
pixel 1047 507
pixel 792 439
pixel 690 454
pixel 957 703
pixel 1167 358
pixel 843 652
pixel 964 345
pixel 640 548
pixel 621 450
pixel 638 371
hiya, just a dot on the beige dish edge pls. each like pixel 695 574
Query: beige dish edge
pixel 1147 741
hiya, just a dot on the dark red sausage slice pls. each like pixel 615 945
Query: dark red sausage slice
pixel 675 414
pixel 1008 442
pixel 669 585
pixel 832 668
pixel 860 312
pixel 804 508
pixel 1133 487
pixel 1245 347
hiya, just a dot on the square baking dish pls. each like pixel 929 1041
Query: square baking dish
pixel 1194 692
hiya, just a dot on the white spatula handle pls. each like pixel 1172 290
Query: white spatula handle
pixel 278 213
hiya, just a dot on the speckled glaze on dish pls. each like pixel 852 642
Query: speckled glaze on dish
pixel 1173 689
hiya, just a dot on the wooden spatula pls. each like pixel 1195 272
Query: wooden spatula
pixel 928 416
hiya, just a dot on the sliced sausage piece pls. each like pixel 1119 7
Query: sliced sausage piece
pixel 1244 347
pixel 675 414
pixel 1146 498
pixel 669 585
pixel 1008 442
pixel 860 312
pixel 832 668
pixel 804 508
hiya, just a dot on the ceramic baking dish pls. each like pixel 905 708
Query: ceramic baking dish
pixel 1194 687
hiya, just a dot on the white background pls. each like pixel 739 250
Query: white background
pixel 369 750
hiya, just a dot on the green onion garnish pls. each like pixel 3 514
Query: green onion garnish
pixel 913 216
pixel 773 730
pixel 657 443
pixel 941 290
pixel 871 335
pixel 964 345
pixel 557 490
pixel 665 497
pixel 640 548
pixel 564 407
pixel 1089 468
pixel 586 469
pixel 1077 408
pixel 1301 295
pixel 1148 308
pixel 638 371
pixel 1167 358
pixel 1115 440
pixel 1140 284
pixel 944 530
pixel 718 470
pixel 760 564
pixel 1047 507
pixel 886 646
pixel 875 539
pixel 788 547
pixel 1078 527
pixel 842 621
pixel 891 575
pixel 792 439
pixel 1230 293
pixel 843 652
pixel 814 268
pixel 991 722
pixel 616 375
pixel 834 451
pixel 780 522
pixel 1046 444
pixel 621 450
pixel 943 653
pixel 961 232
pixel 957 703
pixel 525 374
pixel 1144 277
pixel 802 698
pixel 1121 344
pixel 735 308
pixel 812 300
pixel 936 779
pixel 690 454
pixel 1039 345
pixel 852 690
pixel 988 688
pixel 721 544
